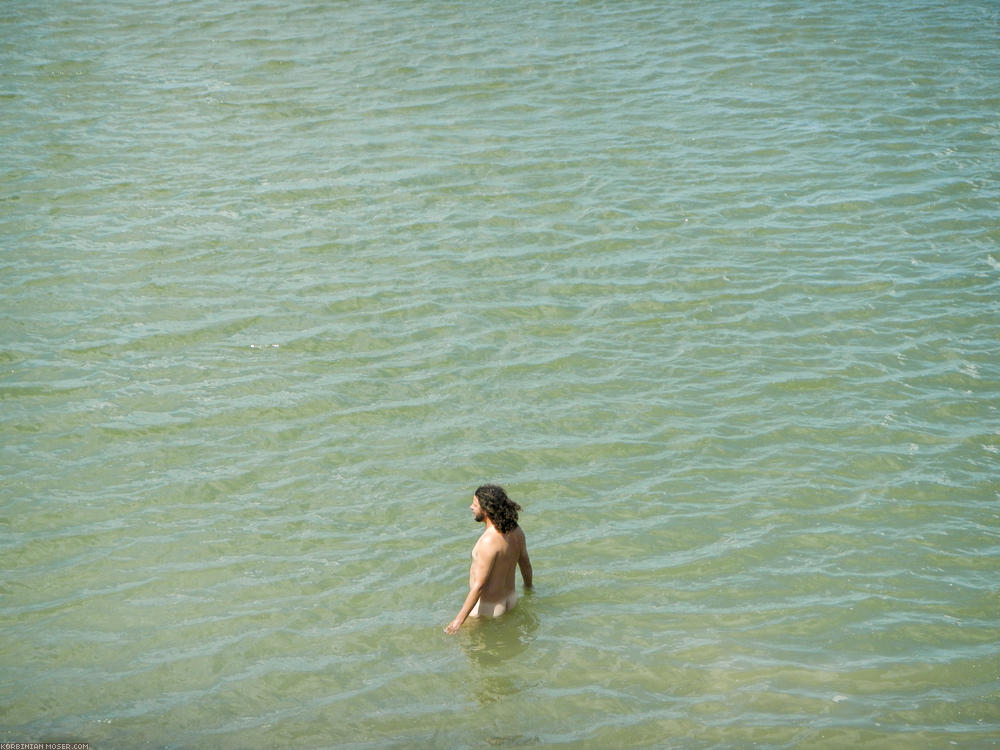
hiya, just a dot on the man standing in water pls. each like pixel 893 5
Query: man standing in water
pixel 500 550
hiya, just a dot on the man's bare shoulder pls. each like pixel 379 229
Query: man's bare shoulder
pixel 490 547
pixel 492 538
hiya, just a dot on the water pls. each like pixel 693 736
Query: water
pixel 712 288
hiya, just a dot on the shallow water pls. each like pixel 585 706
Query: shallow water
pixel 711 288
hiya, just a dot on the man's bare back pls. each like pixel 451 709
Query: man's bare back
pixel 495 557
pixel 498 595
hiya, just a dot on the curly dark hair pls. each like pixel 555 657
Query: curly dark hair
pixel 500 509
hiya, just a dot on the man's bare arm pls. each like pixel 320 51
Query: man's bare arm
pixel 524 563
pixel 481 570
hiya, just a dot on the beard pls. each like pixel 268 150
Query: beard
pixel 480 517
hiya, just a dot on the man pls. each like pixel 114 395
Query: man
pixel 500 550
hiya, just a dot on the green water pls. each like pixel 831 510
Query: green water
pixel 711 288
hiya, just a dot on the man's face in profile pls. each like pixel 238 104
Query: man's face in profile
pixel 477 511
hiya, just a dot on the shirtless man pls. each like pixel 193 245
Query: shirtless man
pixel 499 550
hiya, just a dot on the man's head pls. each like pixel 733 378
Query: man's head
pixel 494 504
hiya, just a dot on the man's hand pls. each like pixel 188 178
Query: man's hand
pixel 453 626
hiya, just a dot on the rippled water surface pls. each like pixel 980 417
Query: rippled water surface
pixel 711 288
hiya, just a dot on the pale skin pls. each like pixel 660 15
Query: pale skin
pixel 491 577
